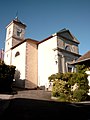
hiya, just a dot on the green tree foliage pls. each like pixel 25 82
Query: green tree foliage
pixel 6 77
pixel 70 86
pixel 79 95
pixel 59 87
pixel 81 68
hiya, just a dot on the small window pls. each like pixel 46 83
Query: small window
pixel 69 69
pixel 9 32
pixel 67 48
pixel 17 54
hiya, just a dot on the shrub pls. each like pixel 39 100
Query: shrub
pixel 79 95
pixel 63 83
pixel 6 77
pixel 59 88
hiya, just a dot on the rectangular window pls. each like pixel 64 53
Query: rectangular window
pixel 69 69
pixel 9 32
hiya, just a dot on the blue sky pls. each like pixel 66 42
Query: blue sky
pixel 45 17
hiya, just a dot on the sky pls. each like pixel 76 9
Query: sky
pixel 46 17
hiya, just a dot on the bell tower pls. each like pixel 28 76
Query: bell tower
pixel 15 33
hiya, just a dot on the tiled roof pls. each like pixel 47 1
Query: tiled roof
pixel 84 57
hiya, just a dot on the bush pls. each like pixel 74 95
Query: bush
pixel 6 77
pixel 79 95
pixel 63 84
pixel 59 88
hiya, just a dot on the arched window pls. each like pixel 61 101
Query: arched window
pixel 67 48
pixel 17 53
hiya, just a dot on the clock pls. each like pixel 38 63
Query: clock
pixel 19 31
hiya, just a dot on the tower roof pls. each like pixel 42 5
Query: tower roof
pixel 16 21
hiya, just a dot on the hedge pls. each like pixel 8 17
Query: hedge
pixel 70 86
pixel 6 77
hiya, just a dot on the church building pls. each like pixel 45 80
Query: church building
pixel 36 60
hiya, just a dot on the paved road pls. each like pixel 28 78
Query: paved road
pixel 30 109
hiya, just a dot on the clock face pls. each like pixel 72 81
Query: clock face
pixel 19 31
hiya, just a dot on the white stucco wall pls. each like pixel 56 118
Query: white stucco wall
pixel 7 57
pixel 19 61
pixel 46 61
pixel 9 31
pixel 8 44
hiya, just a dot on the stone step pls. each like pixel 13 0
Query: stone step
pixel 5 96
pixel 34 94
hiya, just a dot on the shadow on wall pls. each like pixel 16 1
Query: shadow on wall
pixel 18 82
pixel 17 75
pixel 23 83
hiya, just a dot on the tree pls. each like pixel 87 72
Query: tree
pixel 6 77
pixel 71 86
